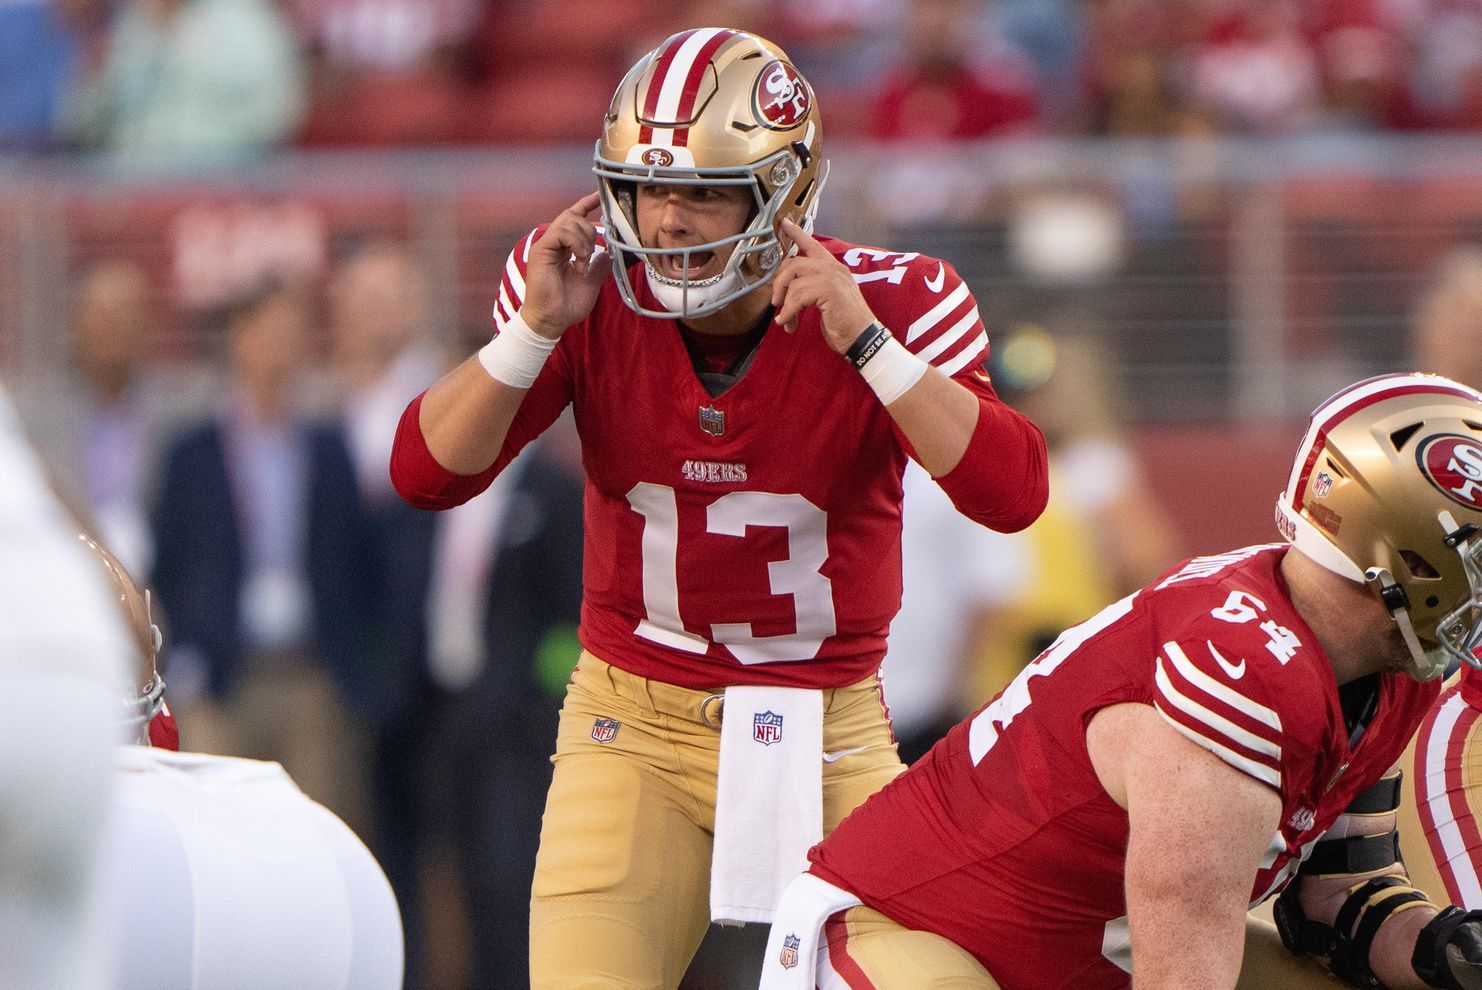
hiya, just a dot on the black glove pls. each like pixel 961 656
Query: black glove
pixel 1448 951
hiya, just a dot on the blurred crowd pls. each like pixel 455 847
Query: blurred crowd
pixel 222 80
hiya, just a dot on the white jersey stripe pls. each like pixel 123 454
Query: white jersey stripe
pixel 1261 772
pixel 938 313
pixel 515 276
pixel 959 330
pixel 672 88
pixel 1433 786
pixel 1223 692
pixel 1213 720
pixel 968 355
pixel 502 309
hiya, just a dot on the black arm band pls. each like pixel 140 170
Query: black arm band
pixel 867 344
pixel 1382 797
pixel 1355 854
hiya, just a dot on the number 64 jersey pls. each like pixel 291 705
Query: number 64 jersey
pixel 1002 838
pixel 728 538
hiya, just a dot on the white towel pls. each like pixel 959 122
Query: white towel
pixel 793 948
pixel 769 801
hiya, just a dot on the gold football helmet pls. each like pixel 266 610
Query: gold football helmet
pixel 1387 489
pixel 147 694
pixel 710 106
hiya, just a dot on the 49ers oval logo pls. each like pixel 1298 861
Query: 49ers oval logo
pixel 780 97
pixel 658 157
pixel 1454 465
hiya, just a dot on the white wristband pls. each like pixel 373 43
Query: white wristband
pixel 516 356
pixel 892 371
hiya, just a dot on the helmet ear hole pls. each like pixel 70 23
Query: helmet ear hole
pixel 1419 566
pixel 1431 601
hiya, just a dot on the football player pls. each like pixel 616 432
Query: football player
pixel 63 653
pixel 747 395
pixel 1442 788
pixel 250 883
pixel 1222 736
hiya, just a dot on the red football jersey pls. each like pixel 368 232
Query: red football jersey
pixel 752 537
pixel 1003 840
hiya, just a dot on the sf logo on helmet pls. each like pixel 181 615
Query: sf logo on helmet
pixel 658 158
pixel 1454 465
pixel 780 97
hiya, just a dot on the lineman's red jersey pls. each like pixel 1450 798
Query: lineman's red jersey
pixel 729 538
pixel 1003 840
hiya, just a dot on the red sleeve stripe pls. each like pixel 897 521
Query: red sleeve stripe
pixel 512 285
pixel 959 330
pixel 929 320
pixel 1441 797
pixel 1206 712
pixel 1188 708
pixel 970 355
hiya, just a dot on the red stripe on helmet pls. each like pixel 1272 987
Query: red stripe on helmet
pixel 1320 440
pixel 692 84
pixel 661 69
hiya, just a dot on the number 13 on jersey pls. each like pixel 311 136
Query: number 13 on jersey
pixel 800 574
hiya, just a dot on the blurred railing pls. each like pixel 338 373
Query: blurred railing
pixel 1234 280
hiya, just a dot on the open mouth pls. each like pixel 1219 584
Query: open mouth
pixel 699 267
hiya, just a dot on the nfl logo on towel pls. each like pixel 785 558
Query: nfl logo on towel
pixel 789 957
pixel 605 729
pixel 766 728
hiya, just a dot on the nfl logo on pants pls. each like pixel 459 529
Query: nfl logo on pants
pixel 789 956
pixel 766 728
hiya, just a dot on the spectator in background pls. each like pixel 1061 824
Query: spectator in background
pixel 260 565
pixel 99 426
pixel 1103 534
pixel 1255 71
pixel 377 314
pixel 1448 318
pixel 192 82
pixel 943 89
pixel 40 49
pixel 387 72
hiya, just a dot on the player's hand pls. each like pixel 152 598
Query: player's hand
pixel 565 273
pixel 814 277
pixel 1448 952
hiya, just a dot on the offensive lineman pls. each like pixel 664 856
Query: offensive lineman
pixel 1109 817
pixel 745 417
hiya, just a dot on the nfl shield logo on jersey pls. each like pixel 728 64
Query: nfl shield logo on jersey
pixel 712 420
pixel 605 729
pixel 766 728
pixel 789 957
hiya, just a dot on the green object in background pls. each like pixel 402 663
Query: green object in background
pixel 556 657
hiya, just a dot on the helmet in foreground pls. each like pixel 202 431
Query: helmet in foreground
pixel 710 106
pixel 147 689
pixel 1387 489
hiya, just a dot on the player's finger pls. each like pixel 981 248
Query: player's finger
pixel 584 206
pixel 804 240
pixel 596 269
pixel 784 277
pixel 800 294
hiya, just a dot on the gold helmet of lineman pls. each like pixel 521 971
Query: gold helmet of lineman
pixel 147 692
pixel 710 106
pixel 1387 489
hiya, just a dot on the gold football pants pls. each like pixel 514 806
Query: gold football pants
pixel 868 951
pixel 622 881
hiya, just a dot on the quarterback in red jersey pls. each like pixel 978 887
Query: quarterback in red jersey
pixel 1109 818
pixel 747 395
